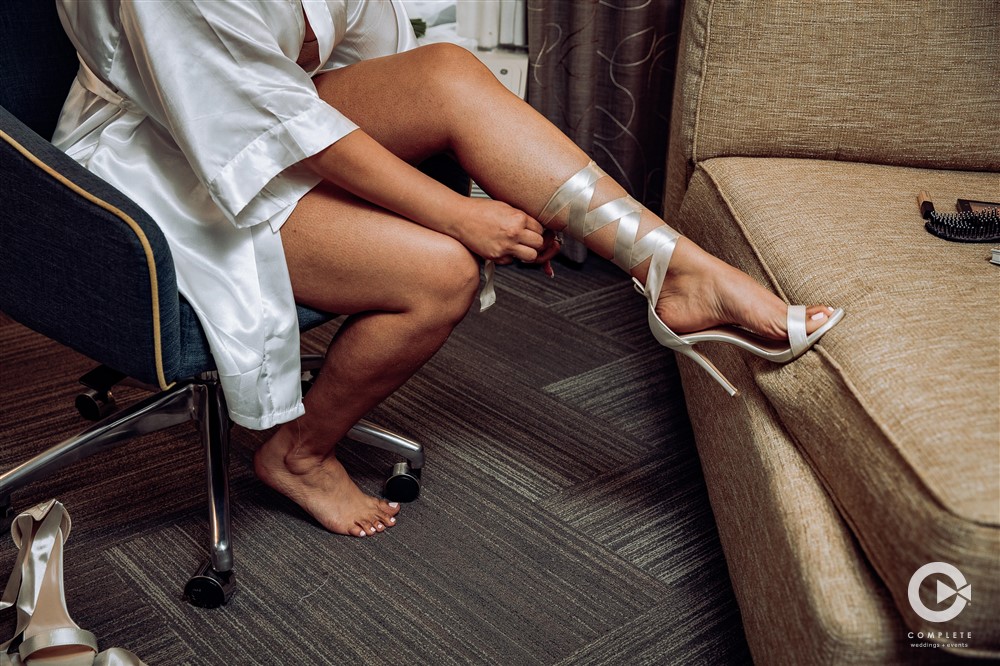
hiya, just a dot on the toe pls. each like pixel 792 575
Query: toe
pixel 382 524
pixel 816 316
pixel 387 512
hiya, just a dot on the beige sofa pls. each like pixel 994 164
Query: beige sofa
pixel 802 133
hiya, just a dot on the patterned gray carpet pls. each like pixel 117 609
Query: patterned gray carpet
pixel 563 516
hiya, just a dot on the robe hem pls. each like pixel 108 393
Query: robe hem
pixel 269 420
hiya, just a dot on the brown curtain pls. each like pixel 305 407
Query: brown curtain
pixel 603 72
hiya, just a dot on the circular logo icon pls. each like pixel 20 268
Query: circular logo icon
pixel 959 589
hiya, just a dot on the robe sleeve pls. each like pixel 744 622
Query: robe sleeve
pixel 225 85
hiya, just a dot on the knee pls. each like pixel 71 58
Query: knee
pixel 450 283
pixel 450 68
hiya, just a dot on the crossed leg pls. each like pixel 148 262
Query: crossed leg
pixel 407 286
pixel 451 101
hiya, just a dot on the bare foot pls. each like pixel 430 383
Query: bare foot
pixel 320 485
pixel 702 291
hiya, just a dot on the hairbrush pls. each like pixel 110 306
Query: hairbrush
pixel 967 226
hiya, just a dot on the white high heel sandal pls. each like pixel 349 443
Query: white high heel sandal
pixel 45 634
pixel 658 246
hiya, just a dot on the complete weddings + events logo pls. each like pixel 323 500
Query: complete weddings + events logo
pixel 958 589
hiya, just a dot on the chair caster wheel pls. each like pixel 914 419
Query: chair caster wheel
pixel 403 484
pixel 95 405
pixel 209 588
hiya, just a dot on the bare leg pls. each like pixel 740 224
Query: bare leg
pixel 405 288
pixel 454 103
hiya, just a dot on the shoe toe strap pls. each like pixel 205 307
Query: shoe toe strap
pixel 57 638
pixel 797 338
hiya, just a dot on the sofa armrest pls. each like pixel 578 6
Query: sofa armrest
pixel 81 263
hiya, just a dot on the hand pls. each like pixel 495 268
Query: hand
pixel 501 233
pixel 549 251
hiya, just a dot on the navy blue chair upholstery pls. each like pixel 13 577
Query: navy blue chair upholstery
pixel 84 265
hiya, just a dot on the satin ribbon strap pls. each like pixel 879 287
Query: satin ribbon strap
pixel 27 518
pixel 658 244
pixel 629 250
pixel 576 193
pixel 14 582
pixel 580 183
pixel 488 294
pixel 60 637
pixel 34 551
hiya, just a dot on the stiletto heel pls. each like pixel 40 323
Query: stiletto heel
pixel 709 367
pixel 45 634
pixel 658 246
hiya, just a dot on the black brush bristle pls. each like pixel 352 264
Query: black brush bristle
pixel 966 227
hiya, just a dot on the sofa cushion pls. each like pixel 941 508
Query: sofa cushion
pixel 898 409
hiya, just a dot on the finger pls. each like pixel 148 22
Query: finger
pixel 532 239
pixel 548 252
pixel 550 247
pixel 526 254
pixel 543 255
pixel 533 225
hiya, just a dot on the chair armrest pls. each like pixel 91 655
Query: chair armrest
pixel 81 263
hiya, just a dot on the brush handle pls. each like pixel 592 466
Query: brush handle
pixel 925 203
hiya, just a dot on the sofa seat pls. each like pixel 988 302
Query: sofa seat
pixel 912 486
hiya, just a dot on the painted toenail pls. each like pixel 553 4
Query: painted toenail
pixel 392 520
pixel 393 504
pixel 818 316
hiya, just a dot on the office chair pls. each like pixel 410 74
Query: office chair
pixel 85 266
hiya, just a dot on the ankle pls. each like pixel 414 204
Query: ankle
pixel 291 449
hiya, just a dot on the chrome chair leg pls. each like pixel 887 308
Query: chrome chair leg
pixel 157 412
pixel 200 400
pixel 403 481
pixel 215 428
pixel 214 583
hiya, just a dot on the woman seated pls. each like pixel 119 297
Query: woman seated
pixel 275 144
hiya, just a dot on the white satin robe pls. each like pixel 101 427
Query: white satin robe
pixel 197 110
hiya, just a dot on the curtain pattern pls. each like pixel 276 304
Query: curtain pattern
pixel 603 72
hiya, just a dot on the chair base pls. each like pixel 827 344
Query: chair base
pixel 200 400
